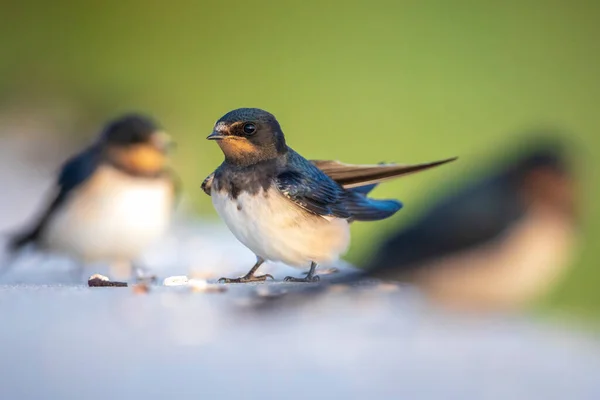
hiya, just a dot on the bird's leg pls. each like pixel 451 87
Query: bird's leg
pixel 310 277
pixel 249 277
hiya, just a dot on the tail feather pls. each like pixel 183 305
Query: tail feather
pixel 363 208
pixel 20 240
pixel 364 190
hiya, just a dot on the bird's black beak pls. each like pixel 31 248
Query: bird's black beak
pixel 216 135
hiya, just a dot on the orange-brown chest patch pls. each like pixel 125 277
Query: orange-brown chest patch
pixel 142 159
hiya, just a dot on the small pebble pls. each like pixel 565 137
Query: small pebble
pixel 180 280
pixel 98 280
pixel 99 276
pixel 198 284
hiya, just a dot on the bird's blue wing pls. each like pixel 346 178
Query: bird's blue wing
pixel 77 170
pixel 321 197
pixel 73 173
pixel 363 208
pixel 311 189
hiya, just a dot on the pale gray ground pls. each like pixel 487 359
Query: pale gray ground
pixel 65 341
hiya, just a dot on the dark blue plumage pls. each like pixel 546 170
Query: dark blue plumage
pixel 310 188
pixel 78 169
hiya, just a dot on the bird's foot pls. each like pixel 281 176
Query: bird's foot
pixel 307 279
pixel 247 278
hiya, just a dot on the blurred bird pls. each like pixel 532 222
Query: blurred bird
pixel 499 242
pixel 283 207
pixel 111 201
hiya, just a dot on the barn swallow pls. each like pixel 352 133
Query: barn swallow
pixel 499 242
pixel 284 207
pixel 110 201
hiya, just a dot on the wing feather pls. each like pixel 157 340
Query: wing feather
pixel 357 175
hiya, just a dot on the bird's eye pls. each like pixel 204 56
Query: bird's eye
pixel 249 128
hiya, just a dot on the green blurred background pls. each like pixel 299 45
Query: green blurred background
pixel 406 81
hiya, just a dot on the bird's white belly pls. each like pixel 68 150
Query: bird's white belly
pixel 276 229
pixel 112 217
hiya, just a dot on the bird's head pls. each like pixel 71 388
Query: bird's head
pixel 248 136
pixel 136 144
pixel 547 178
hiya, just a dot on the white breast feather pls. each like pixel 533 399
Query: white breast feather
pixel 114 217
pixel 276 229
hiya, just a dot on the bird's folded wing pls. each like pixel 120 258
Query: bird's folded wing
pixel 313 191
pixel 356 175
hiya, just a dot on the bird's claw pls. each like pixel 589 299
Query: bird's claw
pixel 246 279
pixel 304 280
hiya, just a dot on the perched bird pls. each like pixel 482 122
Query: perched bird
pixel 284 207
pixel 112 200
pixel 497 243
